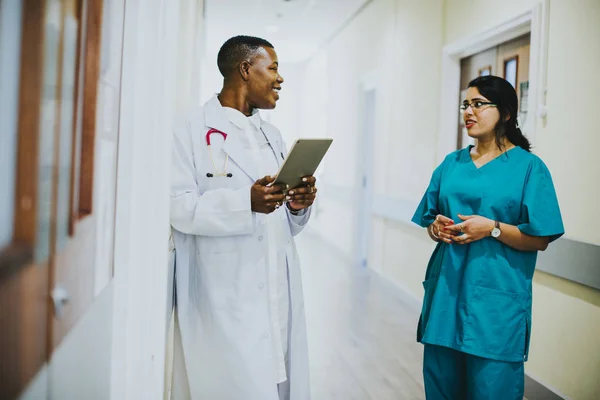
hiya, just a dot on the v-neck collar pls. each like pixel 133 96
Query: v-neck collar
pixel 478 168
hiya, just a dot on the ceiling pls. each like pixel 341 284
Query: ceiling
pixel 297 28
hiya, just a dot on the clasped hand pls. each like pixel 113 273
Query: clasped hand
pixel 266 198
pixel 473 228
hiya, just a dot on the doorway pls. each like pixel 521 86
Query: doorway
pixel 365 199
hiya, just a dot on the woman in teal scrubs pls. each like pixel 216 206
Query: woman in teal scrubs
pixel 491 207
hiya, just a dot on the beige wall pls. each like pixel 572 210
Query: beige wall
pixel 464 18
pixel 403 42
pixel 575 167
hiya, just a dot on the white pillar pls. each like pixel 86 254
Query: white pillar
pixel 149 81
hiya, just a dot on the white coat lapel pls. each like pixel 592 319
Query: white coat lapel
pixel 234 145
pixel 273 138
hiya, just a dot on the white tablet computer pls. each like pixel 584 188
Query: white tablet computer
pixel 302 160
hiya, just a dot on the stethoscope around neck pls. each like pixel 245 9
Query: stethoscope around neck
pixel 223 172
pixel 218 172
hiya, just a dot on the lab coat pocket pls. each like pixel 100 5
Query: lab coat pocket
pixel 220 279
pixel 429 286
pixel 497 323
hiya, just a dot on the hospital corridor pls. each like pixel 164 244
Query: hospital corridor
pixel 299 200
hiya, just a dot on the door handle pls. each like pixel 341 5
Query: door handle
pixel 60 298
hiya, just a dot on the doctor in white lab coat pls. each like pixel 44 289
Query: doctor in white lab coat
pixel 241 332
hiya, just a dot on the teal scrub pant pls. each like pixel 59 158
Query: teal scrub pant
pixel 453 375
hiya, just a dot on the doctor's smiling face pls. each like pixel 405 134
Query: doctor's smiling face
pixel 250 69
pixel 263 81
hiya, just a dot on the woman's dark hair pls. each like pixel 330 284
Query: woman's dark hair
pixel 500 92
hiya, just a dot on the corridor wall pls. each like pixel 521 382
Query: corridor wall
pixel 400 43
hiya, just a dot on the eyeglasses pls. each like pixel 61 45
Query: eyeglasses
pixel 476 105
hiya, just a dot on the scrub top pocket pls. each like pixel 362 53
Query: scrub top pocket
pixel 497 323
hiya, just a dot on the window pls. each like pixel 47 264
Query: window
pixel 10 53
pixel 49 119
pixel 65 138
pixel 510 70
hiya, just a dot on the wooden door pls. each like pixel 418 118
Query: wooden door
pixel 47 267
pixel 513 65
pixel 74 231
pixel 24 262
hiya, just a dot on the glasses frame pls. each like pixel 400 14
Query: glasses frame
pixel 465 106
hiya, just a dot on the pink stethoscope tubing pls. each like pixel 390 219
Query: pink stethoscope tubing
pixel 218 172
pixel 211 131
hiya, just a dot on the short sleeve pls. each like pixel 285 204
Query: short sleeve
pixel 428 207
pixel 540 212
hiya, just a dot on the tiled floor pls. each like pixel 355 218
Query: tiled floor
pixel 361 330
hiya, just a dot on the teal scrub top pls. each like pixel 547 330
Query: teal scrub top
pixel 478 296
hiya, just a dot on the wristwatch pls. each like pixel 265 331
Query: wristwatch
pixel 496 231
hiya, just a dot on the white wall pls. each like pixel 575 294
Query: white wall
pixel 160 44
pixel 392 42
pixel 149 81
pixel 332 108
pixel 287 115
pixel 189 53
pixel 211 80
pixel 409 156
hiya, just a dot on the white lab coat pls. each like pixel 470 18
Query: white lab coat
pixel 221 272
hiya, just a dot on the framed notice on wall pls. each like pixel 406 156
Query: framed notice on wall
pixel 486 71
pixel 511 66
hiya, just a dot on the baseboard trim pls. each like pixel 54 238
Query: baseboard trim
pixel 535 390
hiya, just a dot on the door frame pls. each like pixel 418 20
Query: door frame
pixel 367 83
pixel 534 21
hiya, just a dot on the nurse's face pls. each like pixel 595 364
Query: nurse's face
pixel 480 118
pixel 264 81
